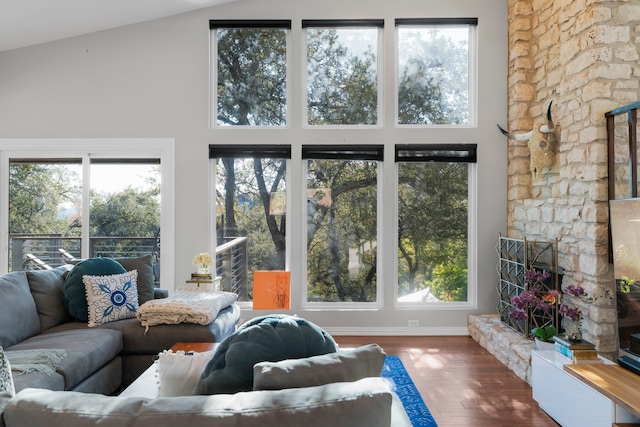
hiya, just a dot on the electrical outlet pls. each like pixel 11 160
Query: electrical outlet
pixel 414 323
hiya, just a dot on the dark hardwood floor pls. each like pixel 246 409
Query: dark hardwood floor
pixel 461 382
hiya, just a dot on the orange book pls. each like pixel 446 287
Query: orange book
pixel 271 290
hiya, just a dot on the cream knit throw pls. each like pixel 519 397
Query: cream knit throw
pixel 185 305
pixel 38 360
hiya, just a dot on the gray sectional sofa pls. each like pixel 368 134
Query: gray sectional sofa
pixel 98 359
pixel 341 389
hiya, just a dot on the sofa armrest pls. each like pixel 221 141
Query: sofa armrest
pixel 159 293
pixel 364 403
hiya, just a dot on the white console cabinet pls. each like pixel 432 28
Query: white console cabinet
pixel 569 401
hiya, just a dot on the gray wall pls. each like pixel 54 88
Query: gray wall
pixel 152 80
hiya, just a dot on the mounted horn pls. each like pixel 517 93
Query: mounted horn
pixel 549 127
pixel 517 137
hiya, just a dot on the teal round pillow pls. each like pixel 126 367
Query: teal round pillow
pixel 75 296
pixel 268 338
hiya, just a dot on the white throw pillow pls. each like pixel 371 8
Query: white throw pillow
pixel 178 372
pixel 111 298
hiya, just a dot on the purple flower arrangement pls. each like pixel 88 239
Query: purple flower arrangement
pixel 538 299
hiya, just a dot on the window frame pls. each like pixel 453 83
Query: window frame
pixel 380 60
pixel 445 153
pixel 347 152
pixel 86 150
pixel 472 23
pixel 215 24
pixel 249 151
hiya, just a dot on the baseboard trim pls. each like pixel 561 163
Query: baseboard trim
pixel 404 331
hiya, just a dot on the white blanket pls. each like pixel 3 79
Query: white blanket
pixel 37 360
pixel 185 305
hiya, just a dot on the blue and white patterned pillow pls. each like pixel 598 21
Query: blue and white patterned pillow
pixel 6 380
pixel 111 298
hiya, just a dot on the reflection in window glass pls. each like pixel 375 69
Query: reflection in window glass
pixel 433 203
pixel 342 76
pixel 341 230
pixel 433 75
pixel 251 76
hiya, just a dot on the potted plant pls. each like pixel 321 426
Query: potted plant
pixel 539 300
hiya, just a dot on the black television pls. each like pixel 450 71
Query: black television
pixel 624 219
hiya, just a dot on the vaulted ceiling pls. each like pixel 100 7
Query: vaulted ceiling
pixel 29 22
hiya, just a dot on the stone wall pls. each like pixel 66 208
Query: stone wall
pixel 510 348
pixel 584 56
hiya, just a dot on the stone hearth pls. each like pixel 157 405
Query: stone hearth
pixel 508 347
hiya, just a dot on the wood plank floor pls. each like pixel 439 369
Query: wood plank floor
pixel 461 383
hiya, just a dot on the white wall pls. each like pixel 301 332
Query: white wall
pixel 152 80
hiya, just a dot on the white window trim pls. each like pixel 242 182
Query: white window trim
pixel 85 148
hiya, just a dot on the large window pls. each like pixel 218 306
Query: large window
pixel 434 72
pixel 342 218
pixel 250 82
pixel 251 212
pixel 76 203
pixel 342 72
pixel 364 234
pixel 433 221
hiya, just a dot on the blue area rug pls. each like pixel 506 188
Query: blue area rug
pixel 404 387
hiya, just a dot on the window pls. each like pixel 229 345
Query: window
pixel 84 200
pixel 433 222
pixel 45 201
pixel 250 86
pixel 434 71
pixel 421 206
pixel 124 218
pixel 251 212
pixel 342 212
pixel 342 72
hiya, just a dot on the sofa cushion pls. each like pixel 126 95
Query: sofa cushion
pixel 87 350
pixel 110 298
pixel 341 366
pixel 18 313
pixel 75 298
pixel 144 266
pixel 365 403
pixel 47 289
pixel 266 338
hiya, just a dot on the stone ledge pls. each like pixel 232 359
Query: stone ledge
pixel 513 350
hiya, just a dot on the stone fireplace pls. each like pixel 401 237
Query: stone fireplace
pixel 584 56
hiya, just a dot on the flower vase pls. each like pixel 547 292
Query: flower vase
pixel 203 269
pixel 543 345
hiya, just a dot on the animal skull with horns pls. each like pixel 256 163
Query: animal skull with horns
pixel 542 144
